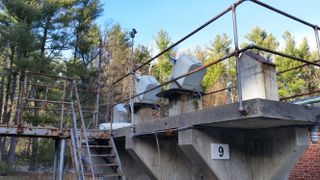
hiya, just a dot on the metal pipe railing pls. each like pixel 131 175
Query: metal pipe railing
pixel 49 75
pixel 285 55
pixel 181 40
pixel 220 60
pixel 297 67
pixel 241 108
pixel 299 95
pixel 236 52
pixel 285 14
pixel 316 34
pixel 189 73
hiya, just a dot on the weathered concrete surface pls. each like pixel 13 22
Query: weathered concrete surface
pixel 143 114
pixel 181 104
pixel 262 114
pixel 196 144
pixel 264 144
pixel 258 77
pixel 166 163
pixel 256 155
pixel 132 169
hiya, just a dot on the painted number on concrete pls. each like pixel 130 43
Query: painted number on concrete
pixel 220 151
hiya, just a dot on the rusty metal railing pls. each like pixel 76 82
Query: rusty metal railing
pixel 234 54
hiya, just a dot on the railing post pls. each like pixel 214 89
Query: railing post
pixel 23 85
pixel 62 105
pixel 55 159
pixel 61 157
pixel 236 46
pixel 111 106
pixel 316 33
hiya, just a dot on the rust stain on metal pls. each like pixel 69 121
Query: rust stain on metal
pixel 20 129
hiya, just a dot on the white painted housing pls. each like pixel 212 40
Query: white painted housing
pixel 258 77
pixel 183 65
pixel 120 114
pixel 145 83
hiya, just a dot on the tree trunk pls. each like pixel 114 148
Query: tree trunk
pixel 13 88
pixel 12 150
pixel 32 165
pixel 8 86
pixel 2 145
pixel 45 36
pixel 4 72
pixel 3 150
pixel 33 158
pixel 14 140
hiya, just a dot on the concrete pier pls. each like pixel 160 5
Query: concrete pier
pixel 264 144
pixel 162 160
pixel 256 155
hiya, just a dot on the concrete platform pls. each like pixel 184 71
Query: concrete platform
pixel 261 114
pixel 263 144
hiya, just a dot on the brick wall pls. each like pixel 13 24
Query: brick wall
pixel 308 166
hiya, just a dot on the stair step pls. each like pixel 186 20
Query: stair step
pixel 100 146
pixel 102 155
pixel 105 175
pixel 95 144
pixel 106 164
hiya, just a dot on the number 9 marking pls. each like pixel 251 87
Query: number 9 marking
pixel 221 151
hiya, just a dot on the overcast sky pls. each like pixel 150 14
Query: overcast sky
pixel 179 17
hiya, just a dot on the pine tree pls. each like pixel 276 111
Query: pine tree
pixel 163 67
pixel 262 38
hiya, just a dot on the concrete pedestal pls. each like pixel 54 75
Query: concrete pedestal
pixel 182 104
pixel 141 115
pixel 164 160
pixel 180 101
pixel 254 155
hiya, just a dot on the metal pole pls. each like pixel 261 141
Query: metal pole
pixel 316 33
pixel 229 84
pixel 62 105
pixel 74 153
pixel 108 105
pixel 236 46
pixel 132 34
pixel 96 113
pixel 21 99
pixel 111 107
pixel 77 139
pixel 55 159
pixel 61 160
